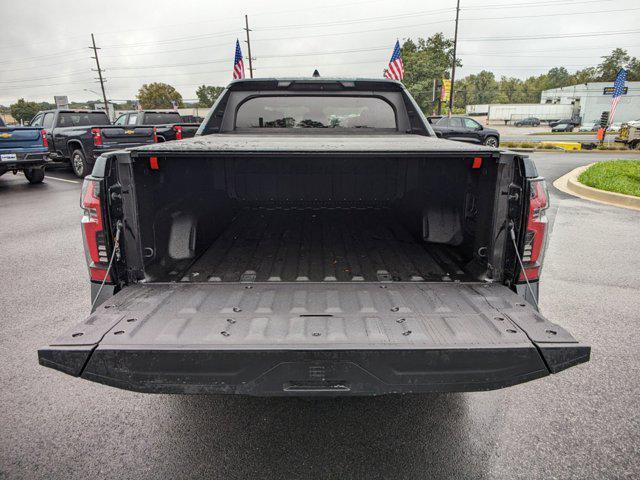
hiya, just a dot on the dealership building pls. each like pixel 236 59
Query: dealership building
pixel 589 100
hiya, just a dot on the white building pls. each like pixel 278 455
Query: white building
pixel 589 100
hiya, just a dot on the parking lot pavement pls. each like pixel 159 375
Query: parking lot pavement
pixel 582 423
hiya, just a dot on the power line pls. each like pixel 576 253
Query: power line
pixel 524 17
pixel 542 37
pixel 531 4
pixel 362 20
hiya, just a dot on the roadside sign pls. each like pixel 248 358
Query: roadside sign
pixel 445 92
pixel 609 90
pixel 61 101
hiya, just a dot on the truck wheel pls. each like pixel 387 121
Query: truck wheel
pixel 491 142
pixel 79 164
pixel 34 175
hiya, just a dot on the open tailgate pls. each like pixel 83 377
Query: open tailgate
pixel 313 339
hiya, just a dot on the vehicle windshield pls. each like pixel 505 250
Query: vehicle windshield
pixel 298 111
pixel 160 118
pixel 82 119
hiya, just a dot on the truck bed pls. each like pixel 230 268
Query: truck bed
pixel 313 338
pixel 322 245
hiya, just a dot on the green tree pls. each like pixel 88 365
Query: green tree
pixel 558 77
pixel 207 95
pixel 482 88
pixel 24 111
pixel 510 90
pixel 424 61
pixel 634 70
pixel 612 63
pixel 589 74
pixel 158 95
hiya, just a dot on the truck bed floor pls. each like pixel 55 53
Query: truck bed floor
pixel 321 245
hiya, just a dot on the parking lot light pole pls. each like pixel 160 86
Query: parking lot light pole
pixel 453 66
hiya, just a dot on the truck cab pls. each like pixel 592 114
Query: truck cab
pixel 169 124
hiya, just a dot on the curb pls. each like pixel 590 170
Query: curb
pixel 559 150
pixel 569 184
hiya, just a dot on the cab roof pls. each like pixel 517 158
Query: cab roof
pixel 312 83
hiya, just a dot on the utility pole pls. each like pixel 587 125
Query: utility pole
pixel 104 95
pixel 246 22
pixel 453 66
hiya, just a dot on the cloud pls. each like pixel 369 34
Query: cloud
pixel 45 49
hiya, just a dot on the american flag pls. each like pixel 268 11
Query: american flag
pixel 238 63
pixel 396 66
pixel 618 89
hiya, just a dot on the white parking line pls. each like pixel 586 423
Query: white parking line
pixel 56 178
pixel 61 179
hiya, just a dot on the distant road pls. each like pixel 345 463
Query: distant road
pixel 515 137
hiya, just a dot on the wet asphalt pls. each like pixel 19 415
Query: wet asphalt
pixel 582 423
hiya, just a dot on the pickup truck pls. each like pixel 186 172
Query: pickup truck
pixel 314 238
pixel 81 136
pixel 24 149
pixel 169 125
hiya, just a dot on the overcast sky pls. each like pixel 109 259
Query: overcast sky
pixel 43 48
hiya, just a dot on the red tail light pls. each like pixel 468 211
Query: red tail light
pixel 93 233
pixel 178 130
pixel 535 238
pixel 155 135
pixel 97 136
pixel 45 142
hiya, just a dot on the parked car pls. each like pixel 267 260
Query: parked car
pixel 589 127
pixel 81 136
pixel 169 125
pixel 567 121
pixel 466 129
pixel 563 127
pixel 529 122
pixel 314 238
pixel 614 127
pixel 24 149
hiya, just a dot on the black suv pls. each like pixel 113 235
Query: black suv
pixel 466 129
